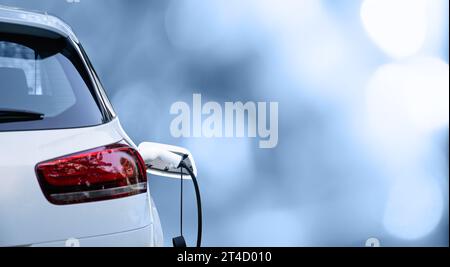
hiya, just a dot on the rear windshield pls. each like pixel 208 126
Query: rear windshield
pixel 45 75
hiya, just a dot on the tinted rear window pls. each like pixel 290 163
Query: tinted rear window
pixel 45 75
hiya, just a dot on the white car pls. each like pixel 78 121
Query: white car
pixel 69 174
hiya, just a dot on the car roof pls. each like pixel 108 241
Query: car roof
pixel 36 19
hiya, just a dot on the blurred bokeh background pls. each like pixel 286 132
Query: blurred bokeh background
pixel 363 92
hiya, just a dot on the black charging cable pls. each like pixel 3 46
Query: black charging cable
pixel 180 241
pixel 181 201
pixel 199 203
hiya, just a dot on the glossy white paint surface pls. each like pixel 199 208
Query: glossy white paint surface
pixel 138 237
pixel 28 218
pixel 36 19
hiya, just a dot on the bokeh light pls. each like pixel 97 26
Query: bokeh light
pixel 399 27
pixel 415 207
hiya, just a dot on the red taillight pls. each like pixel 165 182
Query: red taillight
pixel 102 173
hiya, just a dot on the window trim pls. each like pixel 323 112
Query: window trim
pixel 98 86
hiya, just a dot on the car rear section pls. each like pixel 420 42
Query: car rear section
pixel 29 218
pixel 69 174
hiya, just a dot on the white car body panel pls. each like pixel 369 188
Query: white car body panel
pixel 124 239
pixel 36 19
pixel 26 215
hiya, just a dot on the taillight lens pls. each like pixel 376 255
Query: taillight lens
pixel 107 172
